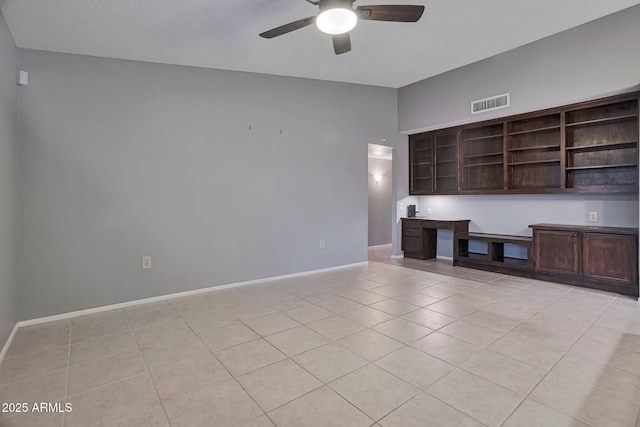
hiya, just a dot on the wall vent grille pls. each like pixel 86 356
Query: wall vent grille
pixel 489 104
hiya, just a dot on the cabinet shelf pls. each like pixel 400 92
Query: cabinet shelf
pixel 622 165
pixel 446 176
pixel 471 156
pixel 539 147
pixel 598 147
pixel 482 164
pixel 421 177
pixel 534 162
pixel 421 163
pixel 603 120
pixel 422 149
pixel 480 138
pixel 521 132
pixel 445 161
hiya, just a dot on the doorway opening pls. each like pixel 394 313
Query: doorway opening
pixel 380 206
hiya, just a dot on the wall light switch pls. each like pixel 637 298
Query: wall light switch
pixel 593 216
pixel 146 262
pixel 23 78
pixel 321 244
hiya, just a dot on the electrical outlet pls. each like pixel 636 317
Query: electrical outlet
pixel 593 216
pixel 146 262
pixel 401 205
pixel 321 244
pixel 428 211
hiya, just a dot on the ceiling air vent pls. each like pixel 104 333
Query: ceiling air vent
pixel 491 103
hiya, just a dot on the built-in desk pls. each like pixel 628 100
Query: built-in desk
pixel 420 235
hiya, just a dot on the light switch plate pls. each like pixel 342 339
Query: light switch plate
pixel 593 216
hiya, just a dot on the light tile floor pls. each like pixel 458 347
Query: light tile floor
pixel 381 253
pixel 383 344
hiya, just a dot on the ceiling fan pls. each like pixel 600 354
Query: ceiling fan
pixel 338 17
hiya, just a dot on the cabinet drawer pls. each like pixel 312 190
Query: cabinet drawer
pixel 415 232
pixel 610 257
pixel 411 223
pixel 411 244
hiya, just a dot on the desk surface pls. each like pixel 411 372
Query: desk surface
pixel 585 228
pixel 427 220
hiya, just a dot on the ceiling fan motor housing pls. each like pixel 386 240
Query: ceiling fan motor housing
pixel 332 4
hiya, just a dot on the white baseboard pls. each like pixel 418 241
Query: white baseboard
pixel 5 348
pixel 177 295
pixel 397 256
pixel 380 246
pixel 445 259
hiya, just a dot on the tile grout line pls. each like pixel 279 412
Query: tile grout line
pixel 369 363
pixel 483 348
pixel 486 347
pixel 549 370
pixel 144 361
pixel 225 368
pixel 554 365
pixel 287 357
pixel 66 386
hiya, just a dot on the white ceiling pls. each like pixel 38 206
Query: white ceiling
pixel 224 34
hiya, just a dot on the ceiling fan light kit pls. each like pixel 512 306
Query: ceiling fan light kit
pixel 337 18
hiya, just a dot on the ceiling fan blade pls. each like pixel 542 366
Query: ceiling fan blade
pixel 287 28
pixel 341 43
pixel 393 13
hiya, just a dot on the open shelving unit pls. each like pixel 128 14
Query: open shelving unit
pixel 483 157
pixel 533 151
pixel 602 145
pixel 490 252
pixel 590 147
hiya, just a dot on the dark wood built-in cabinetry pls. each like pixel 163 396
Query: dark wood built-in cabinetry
pixel 493 257
pixel 597 257
pixel 434 163
pixel 591 147
pixel 557 251
pixel 420 236
pixel 482 158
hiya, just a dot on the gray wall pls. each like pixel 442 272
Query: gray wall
pixel 380 208
pixel 8 183
pixel 595 59
pixel 120 159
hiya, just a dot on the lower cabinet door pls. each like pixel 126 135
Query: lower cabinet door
pixel 557 252
pixel 610 257
pixel 411 244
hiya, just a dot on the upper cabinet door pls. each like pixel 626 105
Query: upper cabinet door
pixel 446 163
pixel 421 164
